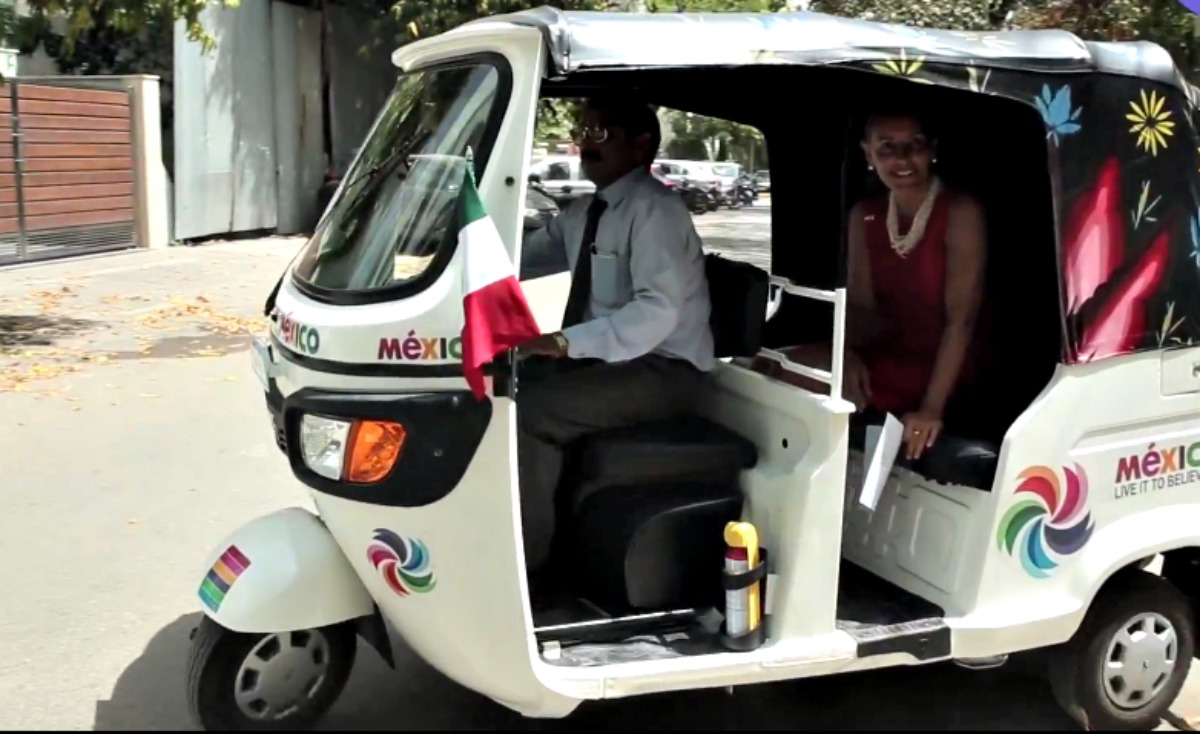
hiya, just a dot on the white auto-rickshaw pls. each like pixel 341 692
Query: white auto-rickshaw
pixel 1033 533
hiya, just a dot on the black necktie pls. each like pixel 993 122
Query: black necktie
pixel 581 279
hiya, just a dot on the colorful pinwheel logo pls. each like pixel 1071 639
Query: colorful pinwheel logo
pixel 403 563
pixel 1050 518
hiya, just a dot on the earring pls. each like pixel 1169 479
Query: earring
pixel 870 167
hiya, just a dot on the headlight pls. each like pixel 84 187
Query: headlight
pixel 371 447
pixel 323 444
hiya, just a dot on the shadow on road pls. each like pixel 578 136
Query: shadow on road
pixel 28 330
pixel 939 697
pixel 150 695
pixel 208 344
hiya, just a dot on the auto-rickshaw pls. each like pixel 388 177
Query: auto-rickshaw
pixel 1040 532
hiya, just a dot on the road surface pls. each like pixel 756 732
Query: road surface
pixel 135 437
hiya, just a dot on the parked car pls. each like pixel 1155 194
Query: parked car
pixel 540 207
pixel 561 177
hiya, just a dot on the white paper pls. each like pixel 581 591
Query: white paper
pixel 880 450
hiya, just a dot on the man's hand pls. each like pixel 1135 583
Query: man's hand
pixel 546 345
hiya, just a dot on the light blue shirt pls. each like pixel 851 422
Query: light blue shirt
pixel 649 289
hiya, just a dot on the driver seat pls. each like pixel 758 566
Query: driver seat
pixel 642 509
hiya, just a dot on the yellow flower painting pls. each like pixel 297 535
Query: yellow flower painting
pixel 1151 123
pixel 903 66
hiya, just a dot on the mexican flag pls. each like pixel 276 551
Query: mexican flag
pixel 497 317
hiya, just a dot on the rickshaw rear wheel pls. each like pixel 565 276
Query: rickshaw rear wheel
pixel 267 682
pixel 1128 661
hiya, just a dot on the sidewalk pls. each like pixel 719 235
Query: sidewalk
pixel 76 315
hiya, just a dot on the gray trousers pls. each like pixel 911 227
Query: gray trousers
pixel 577 400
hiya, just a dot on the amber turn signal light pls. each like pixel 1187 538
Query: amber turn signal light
pixel 374 448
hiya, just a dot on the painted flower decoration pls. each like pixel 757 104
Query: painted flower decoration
pixel 1150 122
pixel 1194 227
pixel 903 66
pixel 978 84
pixel 1143 212
pixel 1056 112
pixel 1114 294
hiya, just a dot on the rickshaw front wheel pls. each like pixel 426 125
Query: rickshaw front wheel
pixel 1128 661
pixel 280 681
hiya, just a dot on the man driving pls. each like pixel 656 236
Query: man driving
pixel 635 338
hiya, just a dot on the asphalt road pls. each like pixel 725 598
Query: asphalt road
pixel 743 234
pixel 134 437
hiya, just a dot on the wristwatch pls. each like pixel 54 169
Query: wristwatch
pixel 562 342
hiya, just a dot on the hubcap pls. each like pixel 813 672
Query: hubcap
pixel 282 674
pixel 1141 657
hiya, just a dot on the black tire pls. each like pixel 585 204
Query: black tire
pixel 1077 667
pixel 215 658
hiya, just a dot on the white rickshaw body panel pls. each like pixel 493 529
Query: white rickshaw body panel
pixel 281 572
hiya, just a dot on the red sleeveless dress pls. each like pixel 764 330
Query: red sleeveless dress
pixel 910 301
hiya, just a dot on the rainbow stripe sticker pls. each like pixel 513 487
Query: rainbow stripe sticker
pixel 222 576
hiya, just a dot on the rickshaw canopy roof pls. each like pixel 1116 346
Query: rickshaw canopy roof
pixel 579 40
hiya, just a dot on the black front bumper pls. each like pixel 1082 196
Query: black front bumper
pixel 275 408
pixel 443 432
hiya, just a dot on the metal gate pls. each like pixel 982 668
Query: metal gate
pixel 66 170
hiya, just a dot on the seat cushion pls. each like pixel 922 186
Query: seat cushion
pixel 654 546
pixel 951 459
pixel 954 460
pixel 690 448
pixel 739 293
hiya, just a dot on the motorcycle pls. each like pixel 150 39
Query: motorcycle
pixel 745 191
pixel 697 199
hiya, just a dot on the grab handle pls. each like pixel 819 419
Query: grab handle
pixel 775 300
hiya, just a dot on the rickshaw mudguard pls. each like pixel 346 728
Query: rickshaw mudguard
pixel 284 571
pixel 1050 610
pixel 1120 544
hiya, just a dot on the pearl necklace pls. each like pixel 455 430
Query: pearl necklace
pixel 904 245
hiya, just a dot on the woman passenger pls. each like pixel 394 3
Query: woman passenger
pixel 916 261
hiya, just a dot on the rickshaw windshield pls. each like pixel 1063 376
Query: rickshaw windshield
pixel 396 206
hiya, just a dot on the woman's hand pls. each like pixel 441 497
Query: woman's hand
pixel 921 429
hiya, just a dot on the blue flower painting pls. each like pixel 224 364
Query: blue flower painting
pixel 1056 112
pixel 1194 223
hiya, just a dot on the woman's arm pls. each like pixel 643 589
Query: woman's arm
pixel 966 262
pixel 862 324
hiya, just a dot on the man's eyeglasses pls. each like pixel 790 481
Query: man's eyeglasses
pixel 594 133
